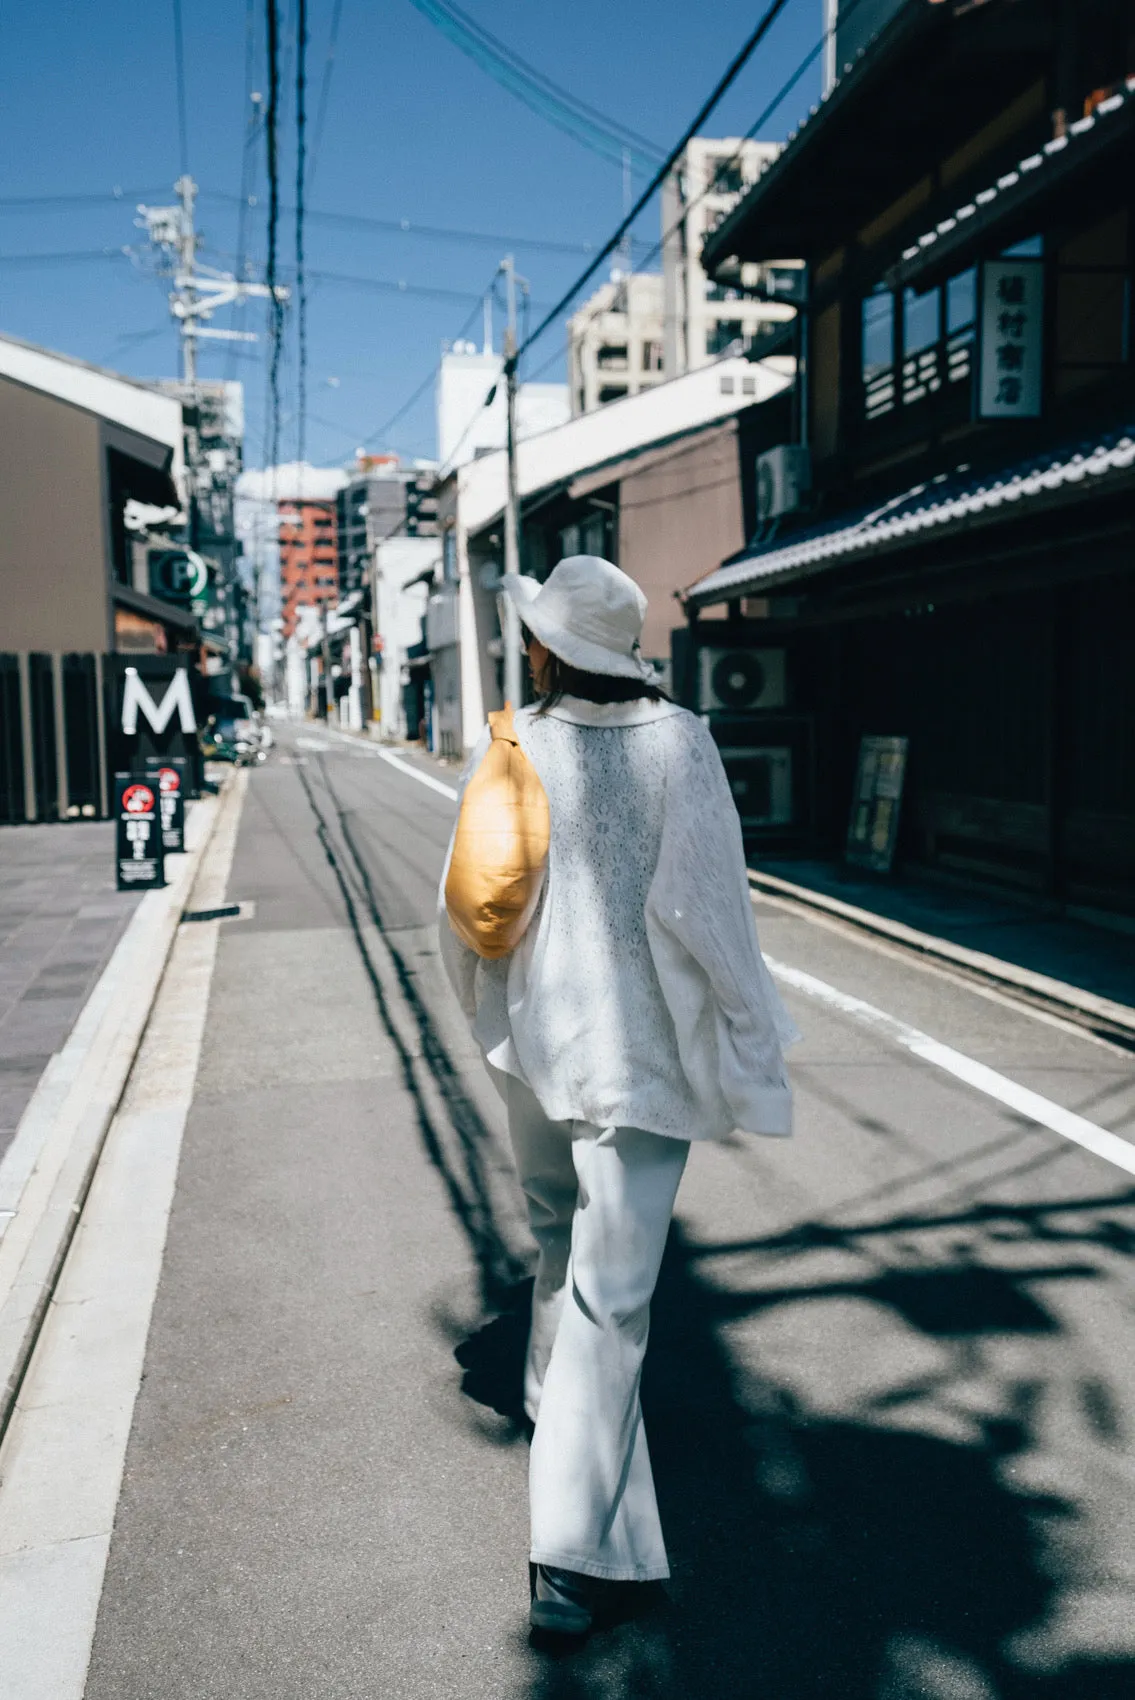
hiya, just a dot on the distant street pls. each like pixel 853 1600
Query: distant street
pixel 890 1391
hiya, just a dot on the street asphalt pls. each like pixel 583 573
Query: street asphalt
pixel 890 1389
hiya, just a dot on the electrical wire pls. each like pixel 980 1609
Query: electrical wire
pixel 407 227
pixel 431 378
pixel 389 287
pixel 276 311
pixel 179 65
pixel 324 91
pixel 74 256
pixel 584 123
pixel 301 281
pixel 724 83
pixel 779 97
pixel 247 164
pixel 32 203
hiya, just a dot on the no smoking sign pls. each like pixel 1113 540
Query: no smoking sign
pixel 139 852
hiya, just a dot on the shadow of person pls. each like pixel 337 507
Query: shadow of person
pixel 493 1358
pixel 820 1557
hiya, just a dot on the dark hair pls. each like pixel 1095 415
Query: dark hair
pixel 564 680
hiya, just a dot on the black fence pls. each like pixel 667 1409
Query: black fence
pixel 61 737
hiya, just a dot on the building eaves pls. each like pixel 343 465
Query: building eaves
pixel 153 607
pixel 871 66
pixel 1005 207
pixel 924 512
pixel 151 386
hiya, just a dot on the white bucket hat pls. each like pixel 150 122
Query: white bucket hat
pixel 588 613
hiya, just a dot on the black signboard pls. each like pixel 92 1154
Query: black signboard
pixel 873 829
pixel 139 856
pixel 171 775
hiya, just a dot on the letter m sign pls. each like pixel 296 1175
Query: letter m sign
pixel 136 696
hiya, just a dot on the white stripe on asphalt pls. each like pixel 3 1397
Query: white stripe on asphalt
pixel 1037 1109
pixel 416 773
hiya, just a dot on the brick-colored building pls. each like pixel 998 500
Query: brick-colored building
pixel 309 557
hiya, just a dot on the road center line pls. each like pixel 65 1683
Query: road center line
pixel 1036 1108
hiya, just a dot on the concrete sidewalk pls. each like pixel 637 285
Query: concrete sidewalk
pixel 1095 959
pixel 60 919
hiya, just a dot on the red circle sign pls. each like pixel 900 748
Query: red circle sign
pixel 138 800
pixel 169 780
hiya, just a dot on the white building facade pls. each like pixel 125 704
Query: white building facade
pixel 466 427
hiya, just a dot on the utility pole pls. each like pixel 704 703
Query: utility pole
pixel 513 662
pixel 196 294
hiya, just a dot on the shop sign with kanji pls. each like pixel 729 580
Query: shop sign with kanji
pixel 1011 355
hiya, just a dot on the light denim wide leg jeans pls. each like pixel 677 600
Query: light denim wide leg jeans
pixel 599 1203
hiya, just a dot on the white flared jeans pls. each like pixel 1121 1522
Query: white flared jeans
pixel 599 1203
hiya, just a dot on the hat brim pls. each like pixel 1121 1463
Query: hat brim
pixel 576 651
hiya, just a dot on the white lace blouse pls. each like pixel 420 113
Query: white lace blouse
pixel 638 997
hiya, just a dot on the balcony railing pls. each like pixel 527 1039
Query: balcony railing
pixel 920 375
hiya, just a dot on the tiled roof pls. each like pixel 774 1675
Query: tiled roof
pixel 948 501
pixel 1028 175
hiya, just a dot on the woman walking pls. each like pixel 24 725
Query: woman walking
pixel 635 1015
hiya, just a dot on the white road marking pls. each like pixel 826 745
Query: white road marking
pixel 62 1458
pixel 1036 1108
pixel 319 744
pixel 449 791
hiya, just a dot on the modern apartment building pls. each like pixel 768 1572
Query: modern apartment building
pixel 383 499
pixel 615 341
pixel 703 318
pixel 309 558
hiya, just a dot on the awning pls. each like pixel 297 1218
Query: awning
pixel 152 607
pixel 1009 209
pixel 948 503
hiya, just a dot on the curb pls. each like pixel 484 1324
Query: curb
pixel 1084 1007
pixel 47 1169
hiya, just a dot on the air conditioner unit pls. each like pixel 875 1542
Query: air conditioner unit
pixel 784 480
pixel 761 783
pixel 733 679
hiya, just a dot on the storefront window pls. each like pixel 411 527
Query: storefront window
pixel 961 301
pixel 878 363
pixel 921 320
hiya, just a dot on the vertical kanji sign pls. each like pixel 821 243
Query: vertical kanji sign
pixel 1010 360
pixel 138 832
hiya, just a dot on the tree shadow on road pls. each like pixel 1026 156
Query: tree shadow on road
pixel 854 1557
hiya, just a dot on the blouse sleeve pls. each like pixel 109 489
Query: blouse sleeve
pixel 459 962
pixel 701 897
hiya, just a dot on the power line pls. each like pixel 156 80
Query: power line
pixel 325 91
pixel 584 123
pixel 277 311
pixel 389 287
pixel 407 227
pixel 253 115
pixel 301 282
pixel 401 411
pixel 33 203
pixel 727 79
pixel 179 64
pixel 74 256
pixel 781 94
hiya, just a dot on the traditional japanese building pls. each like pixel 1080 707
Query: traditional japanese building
pixel 962 572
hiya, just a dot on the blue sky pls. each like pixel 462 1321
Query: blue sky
pixel 414 131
